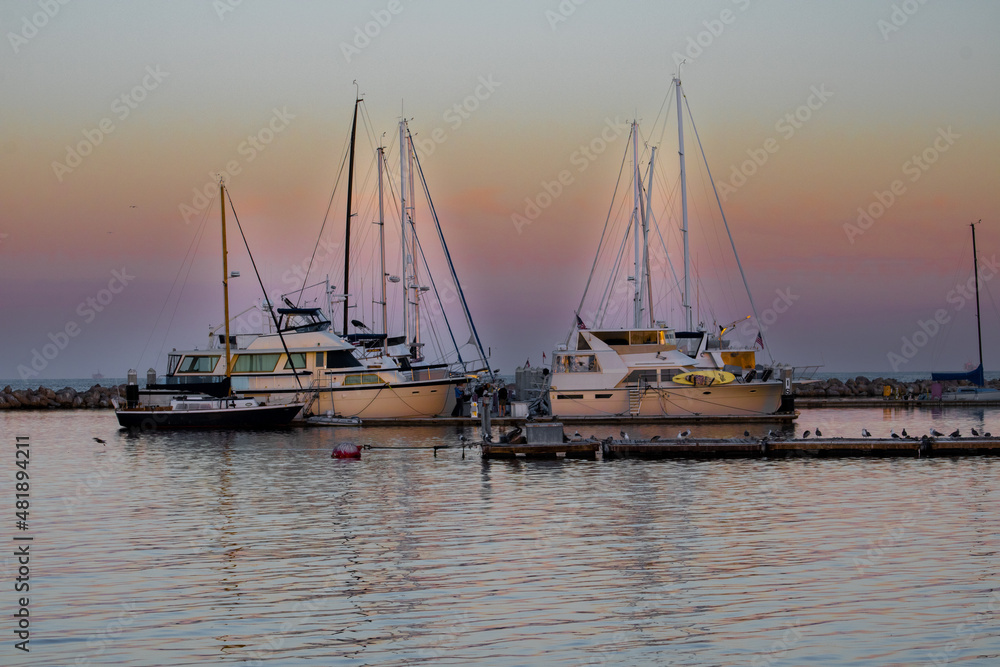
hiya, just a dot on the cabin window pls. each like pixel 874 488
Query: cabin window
pixel 341 359
pixel 199 364
pixel 256 363
pixel 576 363
pixel 172 361
pixel 644 337
pixel 297 358
pixel 321 360
pixel 362 378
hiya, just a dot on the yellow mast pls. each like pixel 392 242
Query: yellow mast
pixel 225 277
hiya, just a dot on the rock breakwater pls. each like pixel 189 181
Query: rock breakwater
pixel 43 398
pixel 862 387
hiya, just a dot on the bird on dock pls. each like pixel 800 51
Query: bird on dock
pixel 818 434
pixel 746 433
pixel 576 434
pixel 893 434
pixel 865 433
pixel 987 435
pixel 975 433
pixel 904 433
pixel 683 434
pixel 462 438
pixel 103 442
pixel 955 434
pixel 624 435
pixel 806 434
pixel 655 438
pixel 936 433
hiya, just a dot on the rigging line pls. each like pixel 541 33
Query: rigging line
pixel 447 255
pixel 600 243
pixel 605 301
pixel 192 248
pixel 739 264
pixel 260 282
pixel 326 217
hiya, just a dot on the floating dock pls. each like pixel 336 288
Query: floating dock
pixel 786 418
pixel 746 448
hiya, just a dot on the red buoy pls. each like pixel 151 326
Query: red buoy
pixel 346 450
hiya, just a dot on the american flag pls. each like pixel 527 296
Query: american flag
pixel 759 340
pixel 579 323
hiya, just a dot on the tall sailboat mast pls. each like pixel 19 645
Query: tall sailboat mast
pixel 979 326
pixel 225 279
pixel 688 323
pixel 413 251
pixel 347 233
pixel 404 245
pixel 636 230
pixel 381 246
pixel 645 236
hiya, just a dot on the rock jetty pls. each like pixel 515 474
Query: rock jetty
pixel 43 398
pixel 862 387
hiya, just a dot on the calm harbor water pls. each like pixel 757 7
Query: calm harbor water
pixel 257 548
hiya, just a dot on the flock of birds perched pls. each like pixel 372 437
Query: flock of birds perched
pixel 771 435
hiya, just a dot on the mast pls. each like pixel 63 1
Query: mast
pixel 347 234
pixel 684 209
pixel 645 235
pixel 413 253
pixel 403 244
pixel 381 245
pixel 979 326
pixel 636 225
pixel 225 279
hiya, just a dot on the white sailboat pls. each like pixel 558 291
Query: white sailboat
pixel 649 369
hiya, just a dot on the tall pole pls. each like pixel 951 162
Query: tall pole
pixel 645 236
pixel 381 245
pixel 225 278
pixel 403 243
pixel 636 228
pixel 347 234
pixel 413 250
pixel 684 210
pixel 975 272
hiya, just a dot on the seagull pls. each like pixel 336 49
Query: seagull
pixel 624 435
pixel 975 433
pixel 892 432
pixel 955 434
pixel 806 435
pixel 101 441
pixel 746 433
pixel 936 433
pixel 818 434
pixel 904 434
pixel 654 438
pixel 685 433
pixel 865 433
pixel 576 434
pixel 987 435
pixel 462 438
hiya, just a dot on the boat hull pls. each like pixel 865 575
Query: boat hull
pixel 264 416
pixel 725 400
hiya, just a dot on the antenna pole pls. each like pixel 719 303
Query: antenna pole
pixel 975 272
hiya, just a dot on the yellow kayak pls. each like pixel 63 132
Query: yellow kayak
pixel 704 378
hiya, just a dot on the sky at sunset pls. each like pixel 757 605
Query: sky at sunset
pixel 853 143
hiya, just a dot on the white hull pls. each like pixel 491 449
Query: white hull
pixel 761 398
